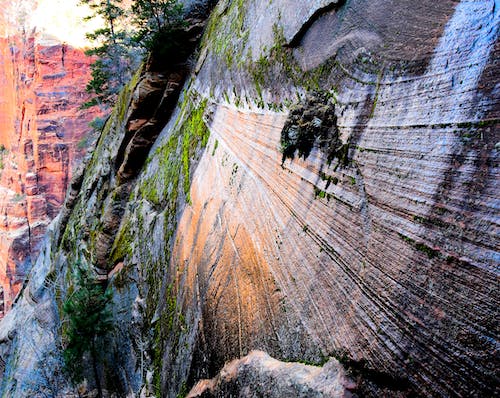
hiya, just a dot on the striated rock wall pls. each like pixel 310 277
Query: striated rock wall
pixel 370 249
pixel 42 134
pixel 386 255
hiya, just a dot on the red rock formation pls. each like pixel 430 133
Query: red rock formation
pixel 41 135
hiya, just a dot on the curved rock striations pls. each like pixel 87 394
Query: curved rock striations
pixel 326 187
pixel 385 255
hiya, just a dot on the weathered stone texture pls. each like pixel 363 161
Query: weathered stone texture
pixel 380 251
pixel 391 259
pixel 41 133
pixel 259 375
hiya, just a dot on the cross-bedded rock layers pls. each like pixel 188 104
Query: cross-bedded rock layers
pixel 325 191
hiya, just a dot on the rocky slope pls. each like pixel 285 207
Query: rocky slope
pixel 325 190
pixel 42 135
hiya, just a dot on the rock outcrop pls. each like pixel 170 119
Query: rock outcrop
pixel 259 375
pixel 43 133
pixel 373 241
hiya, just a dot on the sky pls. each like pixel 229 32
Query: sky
pixel 56 20
pixel 63 19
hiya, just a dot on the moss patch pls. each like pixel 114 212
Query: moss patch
pixel 279 59
pixel 122 247
pixel 422 247
pixel 167 190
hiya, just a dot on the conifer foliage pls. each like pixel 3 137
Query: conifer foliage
pixel 127 35
pixel 113 67
pixel 155 21
pixel 89 320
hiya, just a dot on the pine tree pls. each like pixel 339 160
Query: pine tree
pixel 154 26
pixel 113 65
pixel 89 321
pixel 158 23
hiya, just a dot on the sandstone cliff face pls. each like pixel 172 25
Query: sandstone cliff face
pixel 326 187
pixel 42 134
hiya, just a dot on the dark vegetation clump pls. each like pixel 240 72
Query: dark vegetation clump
pixel 88 322
pixel 311 123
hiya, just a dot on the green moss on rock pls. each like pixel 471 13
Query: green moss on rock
pixel 165 187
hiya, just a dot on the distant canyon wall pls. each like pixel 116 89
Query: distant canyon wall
pixel 42 135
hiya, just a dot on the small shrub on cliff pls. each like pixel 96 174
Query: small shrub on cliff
pixel 88 318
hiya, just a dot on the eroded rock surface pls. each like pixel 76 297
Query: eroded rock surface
pixel 383 256
pixel 259 375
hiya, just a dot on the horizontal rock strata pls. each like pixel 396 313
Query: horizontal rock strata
pixel 42 135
